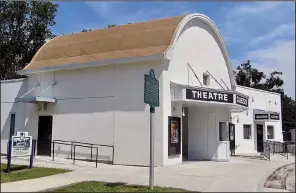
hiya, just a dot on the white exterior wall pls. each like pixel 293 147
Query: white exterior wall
pixel 198 46
pixel 10 89
pixel 261 101
pixel 203 134
pixel 101 105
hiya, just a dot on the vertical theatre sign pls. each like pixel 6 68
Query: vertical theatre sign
pixel 151 97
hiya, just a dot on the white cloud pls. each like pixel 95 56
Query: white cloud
pixel 278 56
pixel 253 8
pixel 278 32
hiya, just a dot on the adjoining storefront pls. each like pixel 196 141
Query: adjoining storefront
pixel 262 119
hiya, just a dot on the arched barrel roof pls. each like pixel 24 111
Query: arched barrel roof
pixel 150 38
pixel 127 41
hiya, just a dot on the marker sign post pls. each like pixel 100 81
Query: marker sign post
pixel 151 97
pixel 20 145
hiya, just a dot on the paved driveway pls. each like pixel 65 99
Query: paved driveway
pixel 242 174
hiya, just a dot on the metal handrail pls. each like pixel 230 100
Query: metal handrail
pixel 266 150
pixel 91 149
pixel 72 143
pixel 278 148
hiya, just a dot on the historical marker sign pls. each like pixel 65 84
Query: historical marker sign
pixel 151 89
pixel 21 144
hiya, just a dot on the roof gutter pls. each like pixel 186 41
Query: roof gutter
pixel 93 63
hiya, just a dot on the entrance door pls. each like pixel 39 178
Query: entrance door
pixel 259 138
pixel 44 135
pixel 232 138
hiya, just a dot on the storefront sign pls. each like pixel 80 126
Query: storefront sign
pixel 209 96
pixel 240 100
pixel 274 116
pixel 261 116
pixel 21 144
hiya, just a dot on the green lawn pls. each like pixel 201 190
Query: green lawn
pixel 94 186
pixel 20 172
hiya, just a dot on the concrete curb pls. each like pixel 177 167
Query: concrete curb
pixel 260 186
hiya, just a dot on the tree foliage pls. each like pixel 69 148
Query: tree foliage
pixel 246 75
pixel 24 29
pixel 86 30
pixel 111 25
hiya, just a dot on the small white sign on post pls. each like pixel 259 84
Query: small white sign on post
pixel 21 144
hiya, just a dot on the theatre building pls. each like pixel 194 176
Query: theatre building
pixel 89 87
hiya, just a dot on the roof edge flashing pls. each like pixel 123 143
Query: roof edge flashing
pixel 92 64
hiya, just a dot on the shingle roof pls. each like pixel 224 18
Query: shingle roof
pixel 132 40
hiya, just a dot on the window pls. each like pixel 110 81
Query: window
pixel 270 132
pixel 223 131
pixel 206 79
pixel 12 125
pixel 247 132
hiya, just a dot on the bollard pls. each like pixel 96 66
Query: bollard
pixel 71 149
pixel 32 154
pixel 53 150
pixel 97 157
pixel 91 147
pixel 9 156
pixel 74 155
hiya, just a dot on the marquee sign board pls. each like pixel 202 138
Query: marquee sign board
pixel 209 96
pixel 151 89
pixel 261 116
pixel 274 116
pixel 240 100
pixel 21 144
pixel 266 116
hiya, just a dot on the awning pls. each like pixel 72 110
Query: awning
pixel 262 115
pixel 35 99
pixel 201 96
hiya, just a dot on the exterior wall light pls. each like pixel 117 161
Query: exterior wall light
pixel 183 112
pixel 237 120
pixel 252 99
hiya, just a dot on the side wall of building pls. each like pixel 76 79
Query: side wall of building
pixel 10 89
pixel 100 105
pixel 258 100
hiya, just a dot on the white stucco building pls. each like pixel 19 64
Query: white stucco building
pixel 89 87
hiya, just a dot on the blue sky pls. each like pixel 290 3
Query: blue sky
pixel 263 32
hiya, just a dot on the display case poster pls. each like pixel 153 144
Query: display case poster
pixel 174 131
pixel 174 136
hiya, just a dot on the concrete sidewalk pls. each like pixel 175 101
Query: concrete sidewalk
pixel 241 175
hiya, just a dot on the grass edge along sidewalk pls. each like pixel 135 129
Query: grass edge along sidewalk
pixel 21 172
pixel 97 186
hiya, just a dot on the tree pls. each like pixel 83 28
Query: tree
pixel 246 75
pixel 86 30
pixel 25 27
pixel 111 25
